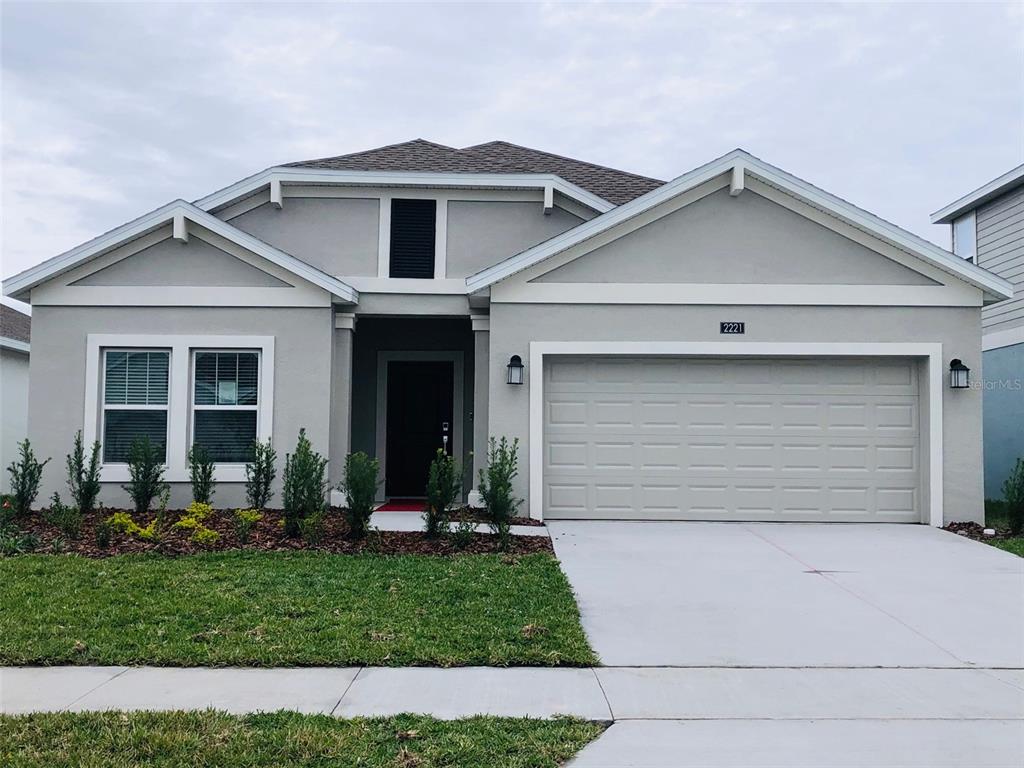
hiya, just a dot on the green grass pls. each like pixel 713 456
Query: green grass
pixel 1014 545
pixel 996 516
pixel 289 609
pixel 284 740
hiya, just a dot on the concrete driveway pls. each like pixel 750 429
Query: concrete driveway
pixel 793 595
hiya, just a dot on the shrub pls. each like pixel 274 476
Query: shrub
pixel 122 522
pixel 145 472
pixel 102 534
pixel 305 484
pixel 200 474
pixel 6 508
pixel 312 528
pixel 84 478
pixel 360 488
pixel 500 504
pixel 15 542
pixel 245 521
pixel 462 535
pixel 67 519
pixel 444 483
pixel 25 473
pixel 1013 492
pixel 260 474
pixel 193 519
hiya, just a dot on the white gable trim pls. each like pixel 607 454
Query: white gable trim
pixel 752 168
pixel 980 196
pixel 307 176
pixel 21 284
pixel 14 345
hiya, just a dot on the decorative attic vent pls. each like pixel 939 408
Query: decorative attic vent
pixel 413 224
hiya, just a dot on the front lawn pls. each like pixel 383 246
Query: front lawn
pixel 286 740
pixel 289 609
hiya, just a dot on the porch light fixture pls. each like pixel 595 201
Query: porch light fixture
pixel 959 375
pixel 515 370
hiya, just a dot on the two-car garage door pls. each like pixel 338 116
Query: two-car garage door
pixel 732 439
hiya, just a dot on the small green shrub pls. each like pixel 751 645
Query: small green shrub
pixel 1013 493
pixel 102 534
pixel 305 483
pixel 145 472
pixel 500 503
pixel 193 520
pixel 14 541
pixel 312 528
pixel 463 532
pixel 25 474
pixel 444 483
pixel 245 520
pixel 260 474
pixel 67 519
pixel 83 476
pixel 6 508
pixel 360 488
pixel 122 522
pixel 200 474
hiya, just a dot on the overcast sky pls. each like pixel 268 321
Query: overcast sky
pixel 109 111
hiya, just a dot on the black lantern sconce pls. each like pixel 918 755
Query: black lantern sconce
pixel 959 375
pixel 515 370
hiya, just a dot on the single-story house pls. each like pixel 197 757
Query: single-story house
pixel 987 229
pixel 15 333
pixel 734 344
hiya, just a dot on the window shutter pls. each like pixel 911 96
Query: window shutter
pixel 413 226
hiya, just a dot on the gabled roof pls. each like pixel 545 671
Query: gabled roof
pixel 19 285
pixel 15 326
pixel 742 162
pixel 500 157
pixel 980 196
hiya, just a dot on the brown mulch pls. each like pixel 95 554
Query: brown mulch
pixel 266 536
pixel 975 531
pixel 477 516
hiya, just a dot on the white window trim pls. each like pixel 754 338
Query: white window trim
pixel 931 352
pixel 103 406
pixel 179 397
pixel 193 406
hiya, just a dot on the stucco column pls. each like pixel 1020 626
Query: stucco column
pixel 481 384
pixel 341 394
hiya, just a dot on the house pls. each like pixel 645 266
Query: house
pixel 735 344
pixel 987 229
pixel 15 327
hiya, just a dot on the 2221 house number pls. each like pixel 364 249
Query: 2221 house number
pixel 732 328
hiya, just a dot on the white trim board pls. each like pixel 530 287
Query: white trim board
pixel 456 358
pixel 980 196
pixel 1000 339
pixel 930 351
pixel 21 284
pixel 14 345
pixel 721 171
pixel 179 396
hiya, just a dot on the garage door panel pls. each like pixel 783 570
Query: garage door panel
pixel 658 439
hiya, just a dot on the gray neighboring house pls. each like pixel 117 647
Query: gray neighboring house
pixel 15 332
pixel 734 344
pixel 987 229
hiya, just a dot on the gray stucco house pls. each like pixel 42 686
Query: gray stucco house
pixel 987 229
pixel 735 344
pixel 15 333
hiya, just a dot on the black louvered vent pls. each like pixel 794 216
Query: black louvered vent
pixel 412 238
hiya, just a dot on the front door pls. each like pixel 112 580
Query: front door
pixel 419 418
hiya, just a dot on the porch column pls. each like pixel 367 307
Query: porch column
pixel 341 395
pixel 481 383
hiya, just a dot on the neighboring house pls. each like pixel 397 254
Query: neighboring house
pixel 15 327
pixel 987 229
pixel 735 344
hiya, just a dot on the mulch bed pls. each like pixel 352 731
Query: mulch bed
pixel 266 536
pixel 975 531
pixel 476 515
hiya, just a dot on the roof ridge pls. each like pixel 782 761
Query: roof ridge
pixel 562 157
pixel 417 140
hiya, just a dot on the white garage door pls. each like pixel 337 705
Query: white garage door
pixel 732 439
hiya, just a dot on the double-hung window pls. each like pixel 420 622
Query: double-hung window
pixel 225 403
pixel 134 401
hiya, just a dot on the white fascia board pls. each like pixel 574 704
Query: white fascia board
pixel 996 287
pixel 21 284
pixel 1000 339
pixel 978 197
pixel 14 345
pixel 282 175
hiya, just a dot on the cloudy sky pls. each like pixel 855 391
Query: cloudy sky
pixel 111 110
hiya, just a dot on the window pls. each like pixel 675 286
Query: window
pixel 134 401
pixel 965 237
pixel 413 228
pixel 225 400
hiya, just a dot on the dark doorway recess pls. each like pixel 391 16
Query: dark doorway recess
pixel 419 416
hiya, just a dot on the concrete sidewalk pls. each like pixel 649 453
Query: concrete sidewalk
pixel 413 521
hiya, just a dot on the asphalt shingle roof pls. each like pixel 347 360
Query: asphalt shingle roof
pixel 14 324
pixel 493 157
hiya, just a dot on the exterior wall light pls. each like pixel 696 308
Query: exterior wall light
pixel 515 370
pixel 959 375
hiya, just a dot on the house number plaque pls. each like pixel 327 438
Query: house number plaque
pixel 732 328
